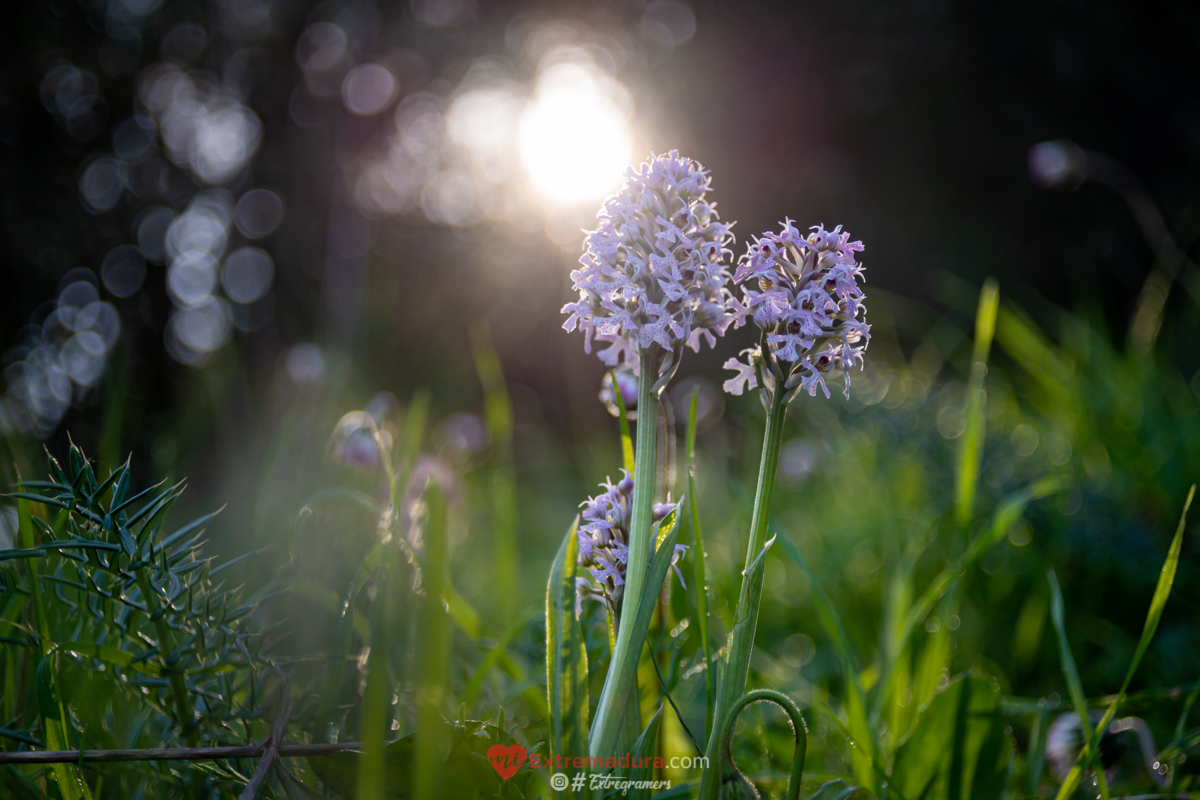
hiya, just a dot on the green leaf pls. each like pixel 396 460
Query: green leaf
pixel 80 544
pixel 122 487
pixel 699 580
pixel 836 789
pixel 1071 672
pixel 124 504
pixel 178 535
pixel 957 750
pixel 461 611
pixel 641 754
pixel 47 692
pixel 659 565
pixel 470 692
pixel 499 415
pixel 375 707
pixel 971 449
pixel 855 706
pixel 1005 516
pixel 22 552
pixel 1162 591
pixel 566 654
pixel 111 655
pixel 53 729
pixel 1036 760
pixel 433 647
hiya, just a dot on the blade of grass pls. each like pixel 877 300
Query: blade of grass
pixel 375 706
pixel 699 581
pixel 1004 517
pixel 860 728
pixel 1162 591
pixel 471 691
pixel 53 717
pixel 566 654
pixel 1036 760
pixel 434 650
pixel 499 416
pixel 1071 673
pixel 971 450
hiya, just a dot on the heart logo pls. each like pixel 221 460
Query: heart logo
pixel 506 760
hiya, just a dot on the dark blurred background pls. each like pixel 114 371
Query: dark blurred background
pixel 281 209
pixel 909 123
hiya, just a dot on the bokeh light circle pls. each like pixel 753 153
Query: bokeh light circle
pixel 258 213
pixel 368 89
pixel 247 274
pixel 123 270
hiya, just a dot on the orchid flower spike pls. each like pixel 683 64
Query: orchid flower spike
pixel 604 543
pixel 655 269
pixel 803 292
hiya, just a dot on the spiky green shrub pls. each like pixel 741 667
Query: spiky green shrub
pixel 102 599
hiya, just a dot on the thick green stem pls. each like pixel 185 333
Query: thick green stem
pixel 737 665
pixel 618 682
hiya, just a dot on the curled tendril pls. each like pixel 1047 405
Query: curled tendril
pixel 734 785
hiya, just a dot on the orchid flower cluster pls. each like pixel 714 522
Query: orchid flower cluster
pixel 655 269
pixel 604 543
pixel 803 292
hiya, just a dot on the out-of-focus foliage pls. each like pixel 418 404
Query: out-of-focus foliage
pixel 125 635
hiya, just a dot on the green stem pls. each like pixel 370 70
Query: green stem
pixel 183 705
pixel 737 665
pixel 698 577
pixel 727 769
pixel 617 683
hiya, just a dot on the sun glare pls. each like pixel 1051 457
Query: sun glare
pixel 573 137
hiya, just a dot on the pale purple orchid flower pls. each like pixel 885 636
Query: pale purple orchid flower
pixel 604 543
pixel 655 269
pixel 804 292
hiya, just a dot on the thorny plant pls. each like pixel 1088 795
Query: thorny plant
pixel 101 596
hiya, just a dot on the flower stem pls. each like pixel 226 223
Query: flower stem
pixel 617 683
pixel 737 666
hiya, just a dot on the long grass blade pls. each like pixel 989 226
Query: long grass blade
pixel 971 450
pixel 860 726
pixel 1071 673
pixel 699 580
pixel 566 655
pixel 1006 515
pixel 434 649
pixel 375 706
pixel 1162 591
pixel 499 416
pixel 471 691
